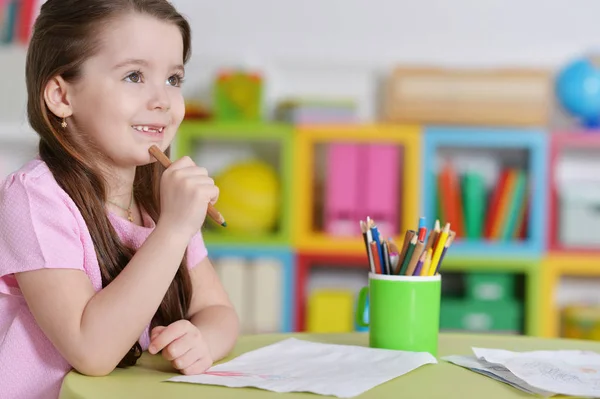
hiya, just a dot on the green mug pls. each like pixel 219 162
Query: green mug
pixel 404 312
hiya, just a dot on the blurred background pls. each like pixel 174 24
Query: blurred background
pixel 312 115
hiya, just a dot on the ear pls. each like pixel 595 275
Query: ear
pixel 55 95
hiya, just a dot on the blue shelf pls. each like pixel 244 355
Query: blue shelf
pixel 283 254
pixel 533 140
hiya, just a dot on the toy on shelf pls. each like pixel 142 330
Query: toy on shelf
pixel 581 322
pixel 196 110
pixel 577 89
pixel 238 96
pixel 249 195
pixel 252 165
pixel 330 311
pixel 316 111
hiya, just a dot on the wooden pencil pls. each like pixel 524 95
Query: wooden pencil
pixel 166 162
pixel 412 265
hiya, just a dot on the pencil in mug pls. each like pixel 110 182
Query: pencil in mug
pixel 420 263
pixel 426 263
pixel 376 259
pixel 438 249
pixel 377 239
pixel 433 236
pixel 414 260
pixel 166 162
pixel 407 238
pixel 409 255
pixel 367 239
pixel 446 246
pixel 386 257
pixel 394 256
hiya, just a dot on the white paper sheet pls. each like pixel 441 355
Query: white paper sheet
pixel 566 372
pixel 294 365
pixel 497 372
pixel 546 373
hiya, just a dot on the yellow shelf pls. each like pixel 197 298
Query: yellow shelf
pixel 554 266
pixel 409 137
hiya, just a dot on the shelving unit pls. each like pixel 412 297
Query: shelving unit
pixel 302 234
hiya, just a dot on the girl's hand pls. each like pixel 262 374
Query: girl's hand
pixel 182 344
pixel 185 192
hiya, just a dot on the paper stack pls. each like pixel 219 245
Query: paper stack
pixel 545 373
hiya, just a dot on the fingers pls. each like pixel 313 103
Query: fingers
pixel 199 367
pixel 155 331
pixel 166 336
pixel 179 347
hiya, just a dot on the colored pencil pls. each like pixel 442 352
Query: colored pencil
pixel 446 246
pixel 420 263
pixel 427 263
pixel 378 266
pixel 386 257
pixel 409 255
pixel 415 258
pixel 367 238
pixel 433 235
pixel 439 248
pixel 377 239
pixel 407 238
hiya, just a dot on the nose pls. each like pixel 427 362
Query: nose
pixel 159 99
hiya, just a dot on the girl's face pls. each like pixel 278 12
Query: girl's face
pixel 129 94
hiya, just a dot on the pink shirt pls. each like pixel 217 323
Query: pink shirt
pixel 40 227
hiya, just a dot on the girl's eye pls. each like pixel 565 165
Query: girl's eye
pixel 175 80
pixel 134 77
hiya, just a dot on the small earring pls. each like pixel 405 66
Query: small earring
pixel 64 123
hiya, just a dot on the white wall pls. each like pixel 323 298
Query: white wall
pixel 344 46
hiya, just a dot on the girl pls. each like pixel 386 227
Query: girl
pixel 100 251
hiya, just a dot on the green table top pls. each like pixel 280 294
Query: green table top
pixel 442 380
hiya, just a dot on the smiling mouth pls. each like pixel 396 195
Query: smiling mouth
pixel 149 129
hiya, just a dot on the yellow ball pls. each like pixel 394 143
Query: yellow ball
pixel 249 197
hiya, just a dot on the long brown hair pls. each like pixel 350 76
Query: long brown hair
pixel 65 35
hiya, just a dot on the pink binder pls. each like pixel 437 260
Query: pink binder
pixel 342 189
pixel 381 194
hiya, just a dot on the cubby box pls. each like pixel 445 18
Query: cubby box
pixel 254 277
pixel 482 266
pixel 516 150
pixel 355 266
pixel 217 145
pixel 573 193
pixel 345 173
pixel 557 265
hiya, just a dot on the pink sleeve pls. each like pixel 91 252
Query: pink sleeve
pixel 196 250
pixel 38 228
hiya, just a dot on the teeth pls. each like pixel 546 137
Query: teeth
pixel 142 128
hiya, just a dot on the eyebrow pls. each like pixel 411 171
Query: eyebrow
pixel 144 63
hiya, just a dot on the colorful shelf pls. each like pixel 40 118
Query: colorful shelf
pixel 306 245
